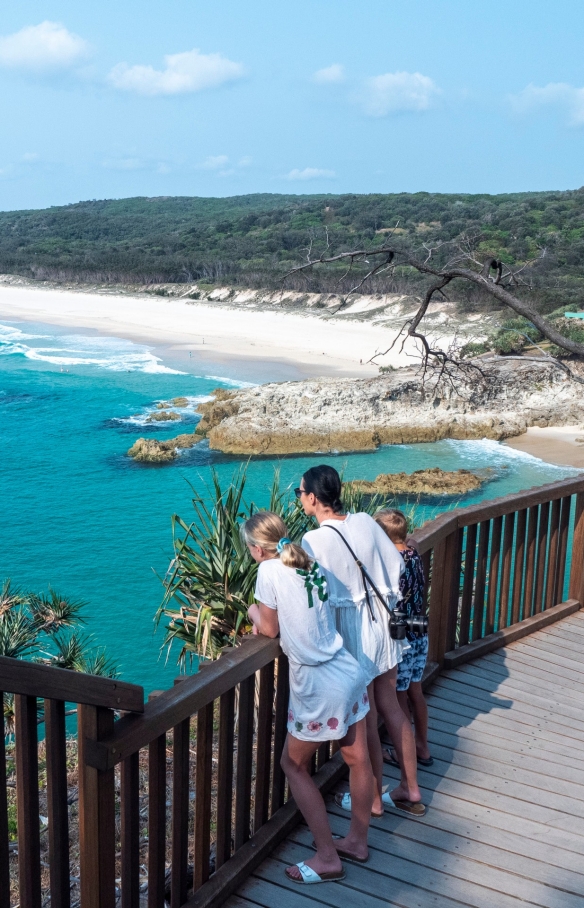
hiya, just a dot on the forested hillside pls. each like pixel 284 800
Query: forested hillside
pixel 253 240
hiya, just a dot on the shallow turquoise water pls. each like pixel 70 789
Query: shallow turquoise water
pixel 78 514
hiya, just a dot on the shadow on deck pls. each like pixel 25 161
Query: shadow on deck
pixel 505 824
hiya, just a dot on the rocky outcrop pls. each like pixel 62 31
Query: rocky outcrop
pixel 175 402
pixel 163 416
pixel 333 415
pixel 149 450
pixel 433 482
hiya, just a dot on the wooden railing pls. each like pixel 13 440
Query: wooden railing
pixel 182 797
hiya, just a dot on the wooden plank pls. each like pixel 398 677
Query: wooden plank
pixel 227 879
pixel 480 582
pixel 280 732
pixel 264 746
pixel 557 655
pixel 577 568
pixel 535 719
pixel 563 549
pixel 521 536
pixel 96 813
pixel 551 659
pixel 4 834
pixel 180 812
pixel 468 584
pixel 444 596
pixel 542 557
pixel 434 532
pixel 130 831
pixel 505 605
pixel 27 795
pixel 553 693
pixel 530 564
pixel 552 572
pixel 184 700
pixel 57 808
pixel 244 762
pixel 268 891
pixel 204 784
pixel 225 776
pixel 156 819
pixel 541 672
pixel 509 634
pixel 30 679
pixel 495 560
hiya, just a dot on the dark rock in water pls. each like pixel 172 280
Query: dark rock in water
pixel 433 481
pixel 163 416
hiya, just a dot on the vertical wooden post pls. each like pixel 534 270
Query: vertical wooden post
pixel 444 596
pixel 225 776
pixel 577 567
pixel 27 792
pixel 264 746
pixel 203 791
pixel 130 817
pixel 57 803
pixel 156 818
pixel 97 844
pixel 4 837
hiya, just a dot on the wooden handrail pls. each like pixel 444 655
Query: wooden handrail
pixel 17 676
pixel 182 701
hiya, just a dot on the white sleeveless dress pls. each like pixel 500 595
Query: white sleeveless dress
pixel 328 691
pixel 367 640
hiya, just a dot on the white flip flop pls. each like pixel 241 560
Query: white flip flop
pixel 344 802
pixel 310 876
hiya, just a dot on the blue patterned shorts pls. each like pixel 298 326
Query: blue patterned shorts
pixel 411 668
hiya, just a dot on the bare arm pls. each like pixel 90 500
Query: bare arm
pixel 264 620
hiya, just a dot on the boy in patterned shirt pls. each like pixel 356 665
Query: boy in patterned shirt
pixel 411 668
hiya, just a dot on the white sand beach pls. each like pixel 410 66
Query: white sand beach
pixel 318 346
pixel 555 444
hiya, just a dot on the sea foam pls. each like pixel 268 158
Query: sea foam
pixel 68 350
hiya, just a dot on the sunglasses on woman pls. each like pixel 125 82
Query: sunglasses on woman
pixel 300 492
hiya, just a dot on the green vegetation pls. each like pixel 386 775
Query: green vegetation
pixel 253 240
pixel 44 627
pixel 211 580
pixel 515 335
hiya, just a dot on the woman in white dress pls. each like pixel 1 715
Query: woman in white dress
pixel 328 692
pixel 363 622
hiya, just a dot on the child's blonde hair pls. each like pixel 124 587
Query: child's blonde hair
pixel 266 530
pixel 394 523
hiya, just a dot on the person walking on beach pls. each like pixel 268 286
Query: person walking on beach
pixel 363 623
pixel 411 669
pixel 328 692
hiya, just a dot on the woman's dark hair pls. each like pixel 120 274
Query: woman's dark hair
pixel 325 484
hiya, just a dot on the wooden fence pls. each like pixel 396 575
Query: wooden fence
pixel 182 797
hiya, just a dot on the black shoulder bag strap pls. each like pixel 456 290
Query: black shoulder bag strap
pixel 367 581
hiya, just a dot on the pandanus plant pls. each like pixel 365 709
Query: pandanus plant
pixel 210 581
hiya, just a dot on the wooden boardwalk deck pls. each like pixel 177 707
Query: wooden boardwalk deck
pixel 505 825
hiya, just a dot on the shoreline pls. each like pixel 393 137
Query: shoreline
pixel 304 345
pixel 553 444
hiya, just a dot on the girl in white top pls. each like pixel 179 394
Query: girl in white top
pixel 328 696
pixel 363 622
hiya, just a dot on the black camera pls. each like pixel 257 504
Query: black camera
pixel 400 623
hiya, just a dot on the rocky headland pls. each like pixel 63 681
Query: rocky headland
pixel 344 414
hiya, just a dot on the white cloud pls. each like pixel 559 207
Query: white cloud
pixel 187 72
pixel 555 94
pixel 330 74
pixel 124 164
pixel 396 92
pixel 246 161
pixel 214 162
pixel 30 157
pixel 47 46
pixel 310 173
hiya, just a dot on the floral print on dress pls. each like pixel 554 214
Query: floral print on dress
pixel 355 708
pixel 290 716
pixel 412 585
pixel 313 580
pixel 298 726
pixel 333 723
pixel 365 698
pixel 314 726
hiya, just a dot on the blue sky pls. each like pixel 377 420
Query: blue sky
pixel 125 98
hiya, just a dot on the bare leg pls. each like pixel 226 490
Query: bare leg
pixel 295 762
pixel 419 708
pixel 401 734
pixel 375 755
pixel 355 754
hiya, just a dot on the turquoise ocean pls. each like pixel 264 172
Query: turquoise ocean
pixel 77 513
